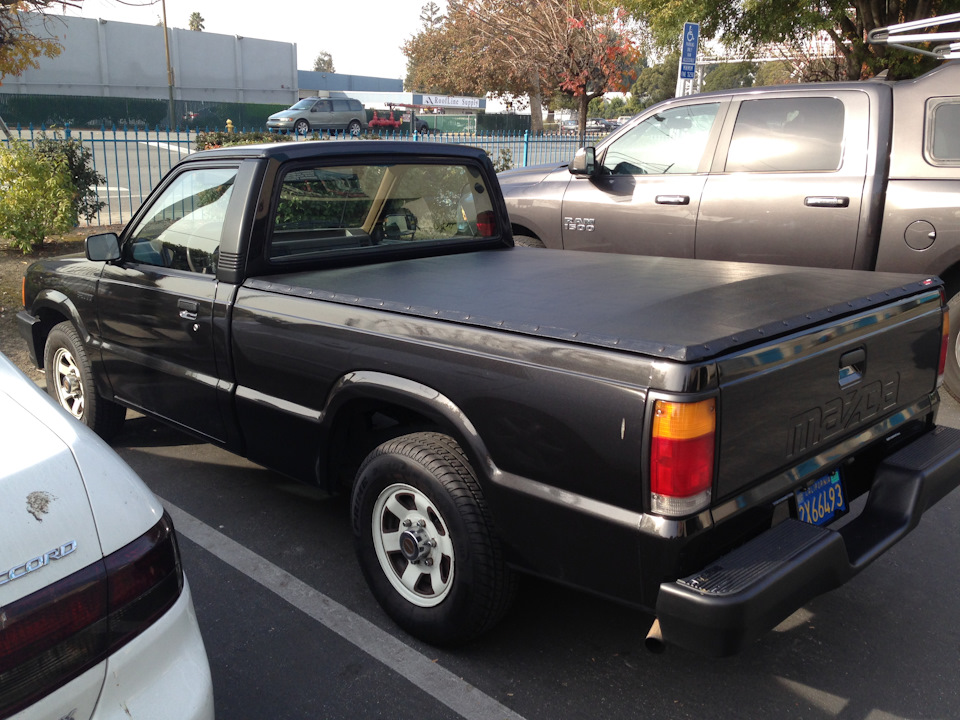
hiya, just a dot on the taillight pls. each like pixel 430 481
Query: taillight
pixel 682 456
pixel 55 634
pixel 486 223
pixel 944 344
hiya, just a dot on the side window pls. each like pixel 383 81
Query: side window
pixel 341 106
pixel 944 121
pixel 787 135
pixel 181 230
pixel 348 207
pixel 672 141
pixel 322 106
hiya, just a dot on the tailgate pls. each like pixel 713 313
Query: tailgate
pixel 785 404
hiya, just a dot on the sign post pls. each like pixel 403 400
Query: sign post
pixel 688 59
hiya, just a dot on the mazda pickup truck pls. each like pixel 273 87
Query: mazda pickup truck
pixel 861 175
pixel 713 443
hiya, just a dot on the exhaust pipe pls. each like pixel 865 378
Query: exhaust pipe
pixel 654 641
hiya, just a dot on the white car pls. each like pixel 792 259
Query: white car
pixel 96 616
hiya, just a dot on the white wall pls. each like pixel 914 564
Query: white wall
pixel 113 59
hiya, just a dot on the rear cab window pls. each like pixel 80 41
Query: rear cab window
pixel 325 210
pixel 802 134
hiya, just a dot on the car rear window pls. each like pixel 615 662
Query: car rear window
pixel 787 135
pixel 326 209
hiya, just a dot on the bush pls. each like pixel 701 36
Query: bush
pixel 36 195
pixel 84 177
pixel 208 140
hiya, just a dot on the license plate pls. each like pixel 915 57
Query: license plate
pixel 822 501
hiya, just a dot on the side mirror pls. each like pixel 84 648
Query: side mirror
pixel 584 162
pixel 103 248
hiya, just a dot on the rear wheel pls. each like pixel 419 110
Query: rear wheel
pixel 951 375
pixel 70 381
pixel 425 540
pixel 354 127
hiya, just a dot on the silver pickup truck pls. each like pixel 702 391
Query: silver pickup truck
pixel 862 175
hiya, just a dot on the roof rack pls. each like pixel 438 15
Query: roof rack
pixel 896 35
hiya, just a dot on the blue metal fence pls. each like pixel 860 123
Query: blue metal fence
pixel 133 160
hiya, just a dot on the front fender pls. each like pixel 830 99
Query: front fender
pixel 49 308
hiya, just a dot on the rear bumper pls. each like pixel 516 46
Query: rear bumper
pixel 743 594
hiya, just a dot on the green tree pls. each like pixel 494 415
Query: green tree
pixel 657 82
pixel 727 76
pixel 38 195
pixel 753 23
pixel 324 63
pixel 196 22
pixel 775 72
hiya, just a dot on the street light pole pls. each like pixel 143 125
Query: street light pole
pixel 166 45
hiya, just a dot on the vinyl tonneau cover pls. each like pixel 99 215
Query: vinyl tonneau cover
pixel 629 303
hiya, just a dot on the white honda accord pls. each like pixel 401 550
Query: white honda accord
pixel 96 616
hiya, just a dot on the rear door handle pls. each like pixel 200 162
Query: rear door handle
pixel 826 201
pixel 188 308
pixel 673 200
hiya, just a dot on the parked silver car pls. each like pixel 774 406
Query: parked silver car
pixel 319 114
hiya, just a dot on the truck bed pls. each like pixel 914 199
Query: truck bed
pixel 627 303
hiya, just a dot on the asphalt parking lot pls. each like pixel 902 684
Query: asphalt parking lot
pixel 292 632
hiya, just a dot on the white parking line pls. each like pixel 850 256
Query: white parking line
pixel 168 146
pixel 454 692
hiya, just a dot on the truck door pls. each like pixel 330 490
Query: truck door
pixel 790 183
pixel 156 304
pixel 644 197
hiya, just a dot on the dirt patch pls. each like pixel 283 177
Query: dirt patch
pixel 13 264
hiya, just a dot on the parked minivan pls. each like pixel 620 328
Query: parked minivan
pixel 319 114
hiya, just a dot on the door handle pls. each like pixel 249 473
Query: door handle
pixel 827 201
pixel 188 308
pixel 673 200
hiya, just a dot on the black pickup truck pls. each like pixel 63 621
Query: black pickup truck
pixel 714 443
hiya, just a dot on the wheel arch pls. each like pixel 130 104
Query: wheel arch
pixel 367 408
pixel 50 308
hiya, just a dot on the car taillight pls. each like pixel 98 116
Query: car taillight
pixel 944 344
pixel 682 456
pixel 55 634
pixel 486 223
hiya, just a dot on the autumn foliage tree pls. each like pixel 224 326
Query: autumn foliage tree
pixel 531 47
pixel 25 37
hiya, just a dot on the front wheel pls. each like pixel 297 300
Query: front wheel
pixel 425 540
pixel 70 381
pixel 302 127
pixel 527 241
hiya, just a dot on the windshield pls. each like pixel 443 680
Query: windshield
pixel 303 104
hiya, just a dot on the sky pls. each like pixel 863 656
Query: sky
pixel 363 36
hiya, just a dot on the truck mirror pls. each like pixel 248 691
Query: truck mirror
pixel 584 162
pixel 103 248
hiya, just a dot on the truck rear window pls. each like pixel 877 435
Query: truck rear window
pixel 324 208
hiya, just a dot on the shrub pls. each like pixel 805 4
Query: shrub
pixel 36 195
pixel 219 138
pixel 84 177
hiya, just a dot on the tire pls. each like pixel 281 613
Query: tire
pixel 70 382
pixel 301 127
pixel 951 374
pixel 527 241
pixel 354 127
pixel 425 540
